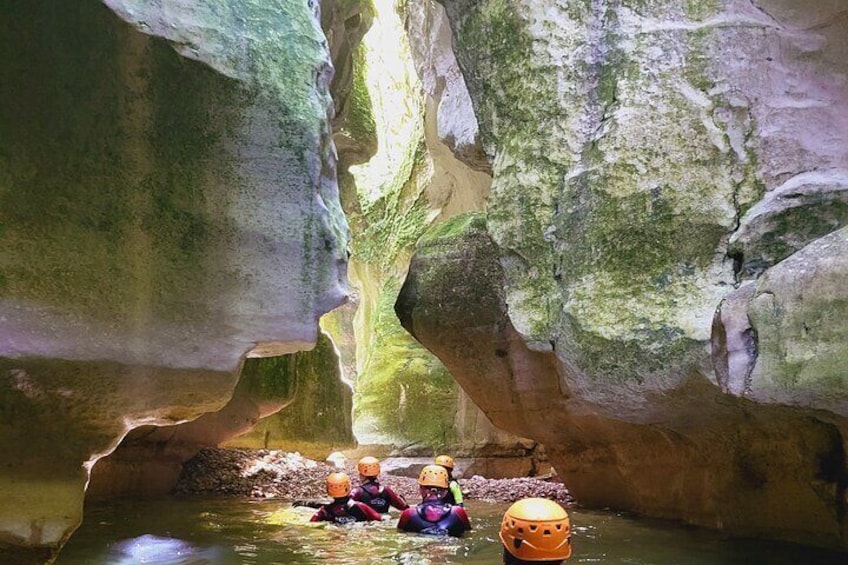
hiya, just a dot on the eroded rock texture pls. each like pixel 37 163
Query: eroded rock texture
pixel 296 401
pixel 317 421
pixel 413 181
pixel 167 203
pixel 648 157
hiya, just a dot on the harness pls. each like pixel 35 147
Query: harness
pixel 436 519
pixel 374 496
pixel 341 513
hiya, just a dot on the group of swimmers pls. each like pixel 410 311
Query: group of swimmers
pixel 533 530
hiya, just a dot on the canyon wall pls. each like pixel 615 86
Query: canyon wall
pixel 168 204
pixel 653 291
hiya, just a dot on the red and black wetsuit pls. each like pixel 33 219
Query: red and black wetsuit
pixel 378 497
pixel 435 518
pixel 344 511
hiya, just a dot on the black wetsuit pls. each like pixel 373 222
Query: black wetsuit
pixel 344 511
pixel 435 518
pixel 378 497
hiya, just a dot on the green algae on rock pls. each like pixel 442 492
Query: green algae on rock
pixel 162 165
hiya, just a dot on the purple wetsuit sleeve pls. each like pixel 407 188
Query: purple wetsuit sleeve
pixel 463 516
pixel 368 513
pixel 403 521
pixel 319 516
pixel 396 500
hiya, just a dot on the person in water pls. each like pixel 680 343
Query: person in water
pixel 434 516
pixel 371 492
pixel 454 495
pixel 535 530
pixel 343 509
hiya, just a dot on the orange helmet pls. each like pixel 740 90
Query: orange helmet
pixel 433 476
pixel 368 467
pixel 445 461
pixel 536 529
pixel 338 485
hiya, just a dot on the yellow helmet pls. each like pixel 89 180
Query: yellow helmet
pixel 433 476
pixel 445 461
pixel 368 467
pixel 536 529
pixel 338 485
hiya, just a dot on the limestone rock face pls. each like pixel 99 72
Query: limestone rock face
pixel 450 104
pixel 648 157
pixel 807 206
pixel 317 421
pixel 427 169
pixel 167 204
pixel 798 313
pixel 293 401
pixel 345 22
pixel 711 458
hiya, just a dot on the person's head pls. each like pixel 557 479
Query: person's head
pixel 536 530
pixel 446 461
pixel 433 482
pixel 369 468
pixel 338 485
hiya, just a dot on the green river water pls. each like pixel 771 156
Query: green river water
pixel 227 531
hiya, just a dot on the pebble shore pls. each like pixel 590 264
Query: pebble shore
pixel 278 474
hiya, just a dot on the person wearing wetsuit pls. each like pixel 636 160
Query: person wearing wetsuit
pixel 454 495
pixel 433 516
pixel 343 509
pixel 535 531
pixel 371 492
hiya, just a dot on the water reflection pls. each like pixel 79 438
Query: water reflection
pixel 157 550
pixel 245 532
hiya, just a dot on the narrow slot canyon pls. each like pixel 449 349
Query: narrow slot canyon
pixel 593 250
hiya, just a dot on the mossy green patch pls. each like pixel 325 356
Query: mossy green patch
pixel 696 71
pixel 645 354
pixel 451 231
pixel 699 10
pixel 403 388
pixel 396 220
pixel 319 414
pixel 359 120
pixel 493 46
pixel 639 236
pixel 117 172
pixel 269 379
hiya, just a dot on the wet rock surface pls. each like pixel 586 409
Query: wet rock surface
pixel 277 474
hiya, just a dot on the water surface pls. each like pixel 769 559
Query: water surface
pixel 228 531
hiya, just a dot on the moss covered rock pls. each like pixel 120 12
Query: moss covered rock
pixel 422 115
pixel 708 458
pixel 167 202
pixel 316 420
pixel 798 314
pixel 629 149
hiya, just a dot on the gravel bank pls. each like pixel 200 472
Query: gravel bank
pixel 277 474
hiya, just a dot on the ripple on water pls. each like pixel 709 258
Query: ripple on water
pixel 227 531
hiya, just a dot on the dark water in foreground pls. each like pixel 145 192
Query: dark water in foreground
pixel 226 531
